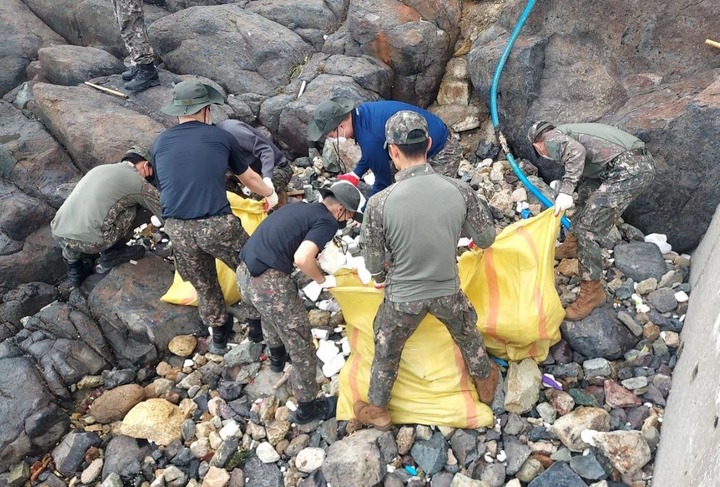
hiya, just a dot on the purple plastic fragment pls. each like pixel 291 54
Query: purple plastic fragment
pixel 550 382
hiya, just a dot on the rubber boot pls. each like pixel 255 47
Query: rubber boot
pixel 79 270
pixel 319 409
pixel 486 387
pixel 130 73
pixel 220 337
pixel 119 254
pixel 372 415
pixel 278 358
pixel 591 296
pixel 255 333
pixel 146 77
pixel 567 249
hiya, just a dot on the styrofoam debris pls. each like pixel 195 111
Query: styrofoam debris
pixel 334 366
pixel 681 296
pixel 660 240
pixel 312 291
pixel 155 221
pixel 320 333
pixel 327 351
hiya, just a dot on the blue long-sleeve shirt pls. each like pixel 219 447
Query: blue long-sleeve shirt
pixel 369 132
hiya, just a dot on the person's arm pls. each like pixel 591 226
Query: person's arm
pixel 571 154
pixel 479 224
pixel 255 183
pixel 150 199
pixel 253 144
pixel 372 240
pixel 305 258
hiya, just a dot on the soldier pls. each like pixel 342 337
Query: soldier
pixel 422 276
pixel 294 234
pixel 262 156
pixel 142 74
pixel 190 163
pixel 100 211
pixel 612 168
pixel 339 117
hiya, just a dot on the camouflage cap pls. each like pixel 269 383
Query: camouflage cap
pixel 328 115
pixel 140 152
pixel 537 129
pixel 191 96
pixel 401 125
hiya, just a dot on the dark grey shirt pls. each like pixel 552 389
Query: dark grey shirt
pixel 257 151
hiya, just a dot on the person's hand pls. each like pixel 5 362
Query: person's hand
pixel 329 282
pixel 379 285
pixel 271 201
pixel 350 178
pixel 563 202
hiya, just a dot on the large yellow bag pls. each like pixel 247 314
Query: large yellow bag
pixel 512 287
pixel 251 213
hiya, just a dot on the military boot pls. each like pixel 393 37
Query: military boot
pixel 220 337
pixel 591 296
pixel 130 73
pixel 119 254
pixel 79 270
pixel 486 387
pixel 278 358
pixel 255 333
pixel 146 77
pixel 567 249
pixel 319 409
pixel 372 415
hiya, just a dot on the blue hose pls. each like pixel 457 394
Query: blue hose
pixel 494 110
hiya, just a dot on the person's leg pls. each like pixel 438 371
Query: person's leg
pixel 447 161
pixel 458 315
pixel 281 178
pixel 115 228
pixel 133 32
pixel 79 265
pixel 223 237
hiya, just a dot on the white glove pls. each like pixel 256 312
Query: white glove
pixel 563 202
pixel 329 282
pixel 268 181
pixel 271 201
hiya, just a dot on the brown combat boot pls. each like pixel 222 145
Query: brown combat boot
pixel 372 415
pixel 591 296
pixel 486 387
pixel 567 249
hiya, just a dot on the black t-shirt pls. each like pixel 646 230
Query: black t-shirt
pixel 190 162
pixel 274 242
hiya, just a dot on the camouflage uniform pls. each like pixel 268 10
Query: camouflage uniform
pixel 196 245
pixel 447 161
pixel 284 322
pixel 422 278
pixel 117 225
pixel 610 169
pixel 129 15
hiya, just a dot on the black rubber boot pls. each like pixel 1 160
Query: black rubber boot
pixel 119 254
pixel 146 77
pixel 319 409
pixel 255 333
pixel 129 74
pixel 278 358
pixel 220 337
pixel 79 270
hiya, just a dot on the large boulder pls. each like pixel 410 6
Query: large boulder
pixel 239 49
pixel 32 159
pixel 136 324
pixel 38 258
pixel 632 71
pixel 72 65
pixel 73 112
pixel 23 35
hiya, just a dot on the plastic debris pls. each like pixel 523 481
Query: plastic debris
pixel 550 381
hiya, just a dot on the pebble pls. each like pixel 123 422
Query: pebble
pixel 266 453
pixel 310 459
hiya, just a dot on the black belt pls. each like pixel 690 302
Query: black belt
pixel 642 151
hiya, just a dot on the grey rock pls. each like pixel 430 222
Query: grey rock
pixel 442 479
pixel 671 278
pixel 70 453
pixel 598 335
pixel 114 378
pixel 223 454
pixel 387 445
pixel 558 475
pixel 494 474
pixel 25 300
pixel 354 460
pixel 244 353
pixel 368 72
pixel 572 370
pixel 635 383
pixel 522 386
pixel 640 261
pixel 597 367
pixel 187 429
pixel 663 300
pixel 262 386
pixel 46 426
pixel 72 65
pixel 631 324
pixel 588 467
pixel 516 453
pixel 124 457
pixel 625 290
pixel 113 480
pixel 430 454
pixel 464 446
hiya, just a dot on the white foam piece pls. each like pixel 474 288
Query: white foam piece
pixel 334 366
pixel 327 351
pixel 320 333
pixel 312 291
pixel 155 221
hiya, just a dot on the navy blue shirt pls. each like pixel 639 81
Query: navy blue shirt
pixel 274 242
pixel 369 120
pixel 190 162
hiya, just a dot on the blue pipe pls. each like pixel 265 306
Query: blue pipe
pixel 494 110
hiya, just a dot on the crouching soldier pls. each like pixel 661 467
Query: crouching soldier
pixel 294 235
pixel 100 211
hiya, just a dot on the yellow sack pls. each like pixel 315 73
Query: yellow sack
pixel 251 213
pixel 512 287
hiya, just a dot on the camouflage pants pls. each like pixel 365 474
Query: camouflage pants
pixel 395 323
pixel 196 245
pixel 447 161
pixel 280 178
pixel 129 15
pixel 117 225
pixel 284 322
pixel 602 201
